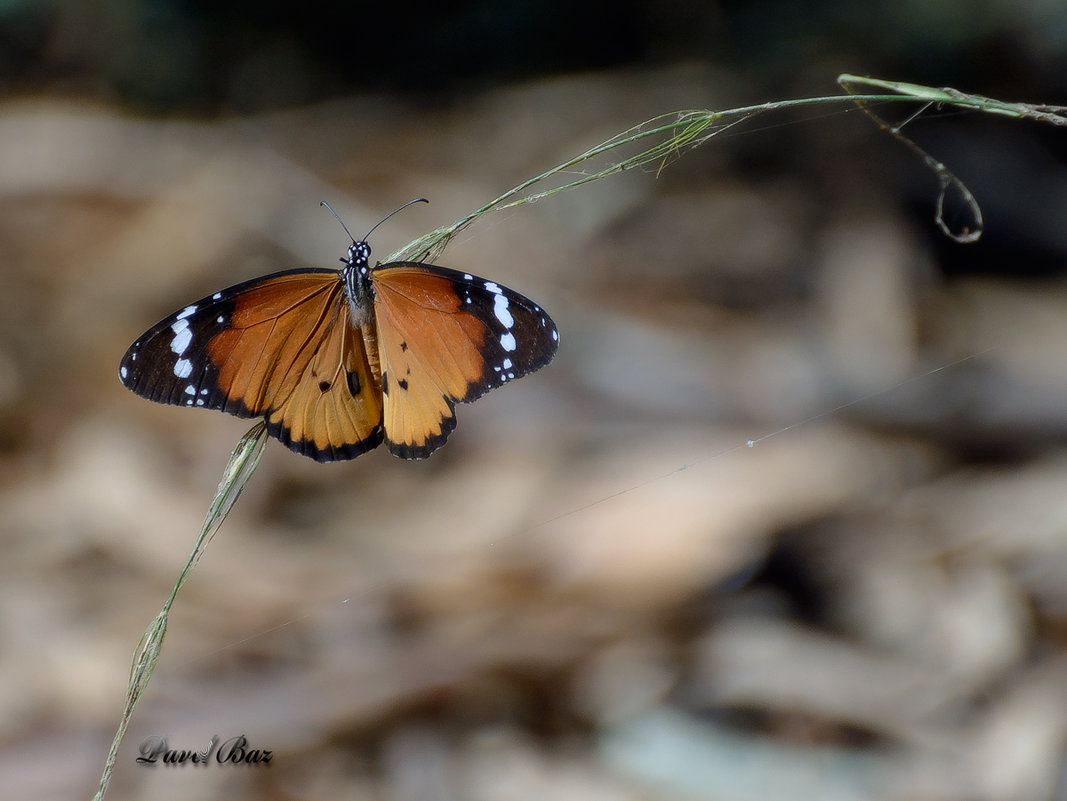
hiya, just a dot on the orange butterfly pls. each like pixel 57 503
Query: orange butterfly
pixel 339 360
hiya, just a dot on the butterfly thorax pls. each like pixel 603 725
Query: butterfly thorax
pixel 357 277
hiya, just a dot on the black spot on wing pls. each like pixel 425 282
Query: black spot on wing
pixel 354 385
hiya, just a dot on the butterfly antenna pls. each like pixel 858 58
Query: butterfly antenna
pixel 334 213
pixel 390 214
pixel 383 219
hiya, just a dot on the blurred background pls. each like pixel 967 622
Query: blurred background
pixel 596 591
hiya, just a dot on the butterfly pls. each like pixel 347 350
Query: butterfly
pixel 339 361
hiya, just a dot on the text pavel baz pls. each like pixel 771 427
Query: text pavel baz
pixel 234 751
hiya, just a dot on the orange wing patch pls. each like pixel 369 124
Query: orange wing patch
pixel 334 411
pixel 430 355
pixel 290 353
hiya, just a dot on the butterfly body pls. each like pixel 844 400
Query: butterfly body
pixel 338 362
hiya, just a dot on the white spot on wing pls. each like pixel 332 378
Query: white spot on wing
pixel 122 371
pixel 190 390
pixel 500 309
pixel 491 287
pixel 507 341
pixel 182 337
pixel 507 364
pixel 183 368
pixel 186 312
pixel 216 296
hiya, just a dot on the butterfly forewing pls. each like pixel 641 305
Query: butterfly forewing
pixel 274 329
pixel 281 347
pixel 448 337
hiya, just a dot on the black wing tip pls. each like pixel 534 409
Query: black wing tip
pixel 128 372
pixel 540 353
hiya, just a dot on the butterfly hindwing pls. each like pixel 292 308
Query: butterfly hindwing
pixel 281 347
pixel 334 409
pixel 448 337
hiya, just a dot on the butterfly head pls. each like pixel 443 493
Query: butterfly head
pixel 358 260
